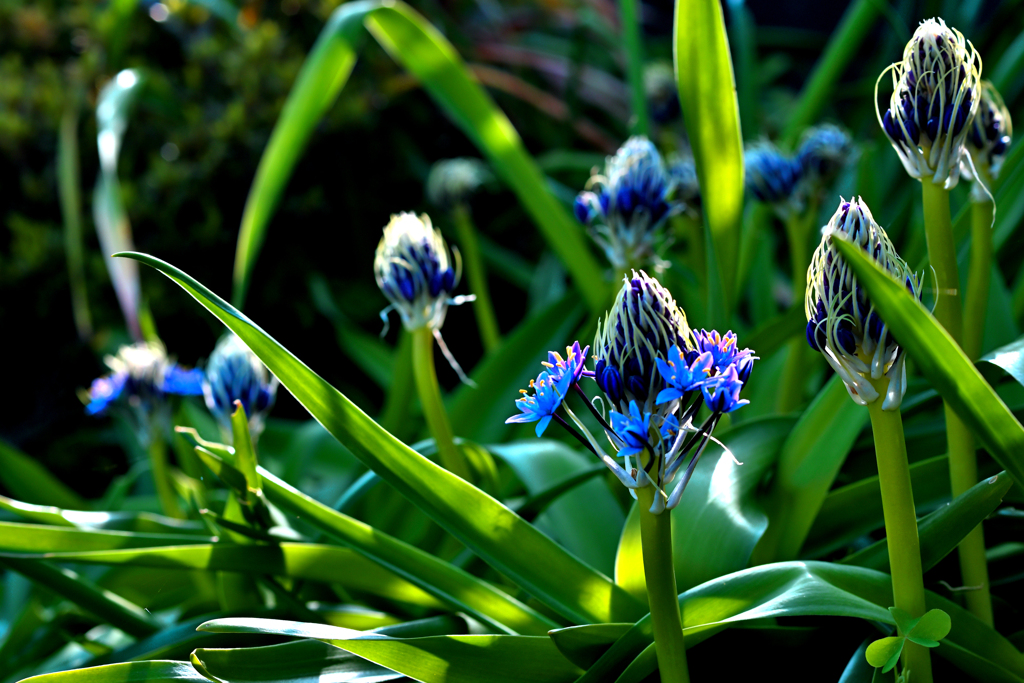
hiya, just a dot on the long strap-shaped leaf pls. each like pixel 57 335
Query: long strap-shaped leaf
pixel 499 536
pixel 428 56
pixel 707 92
pixel 940 359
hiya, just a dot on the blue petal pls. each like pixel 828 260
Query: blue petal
pixel 542 425
pixel 183 382
pixel 666 395
pixel 522 417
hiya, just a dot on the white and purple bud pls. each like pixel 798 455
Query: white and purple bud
pixel 452 181
pixel 989 138
pixel 772 177
pixel 627 206
pixel 235 373
pixel 661 92
pixel 842 322
pixel 934 101
pixel 823 152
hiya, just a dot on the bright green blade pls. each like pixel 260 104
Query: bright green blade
pixel 440 659
pixel 144 522
pixel 127 672
pixel 428 56
pixel 496 534
pixel 16 537
pixel 302 661
pixel 940 359
pixel 707 92
pixel 941 531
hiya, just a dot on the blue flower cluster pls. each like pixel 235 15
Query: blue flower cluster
pixel 629 204
pixel 770 175
pixel 657 383
pixel 788 182
pixel 234 373
pixel 141 377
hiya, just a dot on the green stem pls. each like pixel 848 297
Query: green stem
pixel 395 413
pixel 433 407
pixel 900 527
pixel 68 183
pixel 963 462
pixel 486 320
pixel 794 373
pixel 630 11
pixel 978 278
pixel 659 572
pixel 162 477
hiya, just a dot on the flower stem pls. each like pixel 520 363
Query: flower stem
pixel 659 572
pixel 963 463
pixel 900 528
pixel 978 277
pixel 629 11
pixel 395 413
pixel 162 477
pixel 486 320
pixel 794 373
pixel 433 407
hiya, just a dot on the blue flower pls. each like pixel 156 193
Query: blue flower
pixel 631 429
pixel 142 376
pixel 823 152
pixel 548 395
pixel 723 350
pixel 234 373
pixel 572 364
pixel 722 392
pixel 682 377
pixel 770 176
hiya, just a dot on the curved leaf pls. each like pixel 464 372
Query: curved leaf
pixel 940 360
pixel 128 672
pixel 139 522
pixel 499 536
pixel 23 476
pixel 303 661
pixel 428 56
pixel 16 537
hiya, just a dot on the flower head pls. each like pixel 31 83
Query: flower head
pixel 990 134
pixel 661 92
pixel 722 392
pixel 842 323
pixel 416 271
pixel 682 375
pixel 629 204
pixel 771 176
pixel 641 327
pixel 823 152
pixel 452 181
pixel 934 101
pixel 234 373
pixel 141 376
pixel 548 394
pixel 724 351
pixel 572 365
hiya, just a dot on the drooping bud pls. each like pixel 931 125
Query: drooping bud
pixel 934 101
pixel 989 136
pixel 842 322
pixel 642 326
pixel 628 204
pixel 771 176
pixel 234 373
pixel 416 271
pixel 452 181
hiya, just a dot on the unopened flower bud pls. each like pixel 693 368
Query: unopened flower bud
pixel 661 92
pixel 842 322
pixel 234 373
pixel 989 136
pixel 823 152
pixel 771 176
pixel 452 181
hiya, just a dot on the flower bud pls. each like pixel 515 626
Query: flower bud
pixel 416 271
pixel 771 176
pixel 683 172
pixel 661 92
pixel 823 152
pixel 234 373
pixel 989 136
pixel 642 326
pixel 628 205
pixel 452 181
pixel 934 101
pixel 842 323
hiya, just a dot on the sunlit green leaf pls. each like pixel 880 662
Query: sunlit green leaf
pixel 885 652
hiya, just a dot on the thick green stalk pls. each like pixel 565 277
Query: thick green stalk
pixel 486 320
pixel 162 477
pixel 656 540
pixel 900 527
pixel 395 413
pixel 433 407
pixel 630 14
pixel 963 463
pixel 978 278
pixel 794 373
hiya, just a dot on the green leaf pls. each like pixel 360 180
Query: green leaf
pixel 981 669
pixel 231 476
pixel 447 659
pixel 302 661
pixel 37 538
pixel 1009 358
pixel 718 521
pixel 127 672
pixel 245 455
pixel 885 652
pixel 144 522
pixel 584 645
pixel 496 534
pixel 24 477
pixel 707 92
pixel 942 530
pixel 940 359
pixel 429 57
pixel 930 628
pixel 904 622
